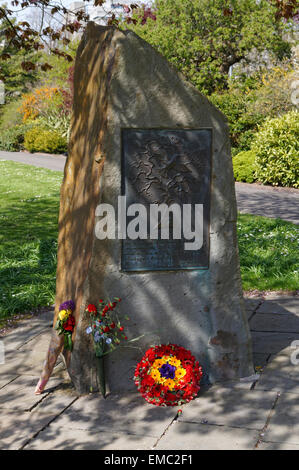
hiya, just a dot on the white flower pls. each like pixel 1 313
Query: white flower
pixel 108 340
pixel 88 330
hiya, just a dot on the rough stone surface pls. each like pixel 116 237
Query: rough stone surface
pixel 121 82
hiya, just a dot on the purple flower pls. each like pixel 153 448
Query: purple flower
pixel 67 305
pixel 167 371
pixel 89 330
pixel 97 337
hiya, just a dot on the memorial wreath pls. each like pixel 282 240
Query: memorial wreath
pixel 168 375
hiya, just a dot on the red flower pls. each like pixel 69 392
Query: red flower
pixel 69 324
pixel 112 325
pixel 92 308
pixel 106 329
pixel 121 328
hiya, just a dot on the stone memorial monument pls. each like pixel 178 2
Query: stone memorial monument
pixel 142 135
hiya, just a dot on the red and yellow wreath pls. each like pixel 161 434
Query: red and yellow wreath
pixel 168 375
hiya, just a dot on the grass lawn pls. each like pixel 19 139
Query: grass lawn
pixel 29 206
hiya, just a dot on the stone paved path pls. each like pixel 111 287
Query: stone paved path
pixel 271 202
pixel 251 198
pixel 258 413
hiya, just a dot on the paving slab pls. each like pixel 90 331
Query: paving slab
pixel 16 427
pixel 281 305
pixel 277 446
pixel 27 330
pixel 271 343
pixel 65 438
pixel 192 436
pixel 19 394
pixel 39 343
pixel 6 379
pixel 128 413
pixel 28 362
pixel 284 424
pixel 252 304
pixel 235 384
pixel 275 322
pixel 235 408
pixel 280 374
pixel 56 402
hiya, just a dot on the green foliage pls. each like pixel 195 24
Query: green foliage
pixel 273 96
pixel 203 38
pixel 244 166
pixel 12 140
pixel 58 74
pixel 242 123
pixel 276 146
pixel 250 100
pixel 16 79
pixel 39 139
pixel 9 114
pixel 55 121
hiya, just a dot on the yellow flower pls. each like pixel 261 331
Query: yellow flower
pixel 155 374
pixel 63 315
pixel 173 361
pixel 158 363
pixel 180 373
pixel 169 383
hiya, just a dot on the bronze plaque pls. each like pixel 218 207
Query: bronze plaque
pixel 165 166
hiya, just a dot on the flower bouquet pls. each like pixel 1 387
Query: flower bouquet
pixel 168 375
pixel 66 323
pixel 107 333
pixel 65 326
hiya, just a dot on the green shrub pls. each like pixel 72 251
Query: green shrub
pixel 39 139
pixel 12 140
pixel 244 167
pixel 276 146
pixel 10 115
pixel 243 124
